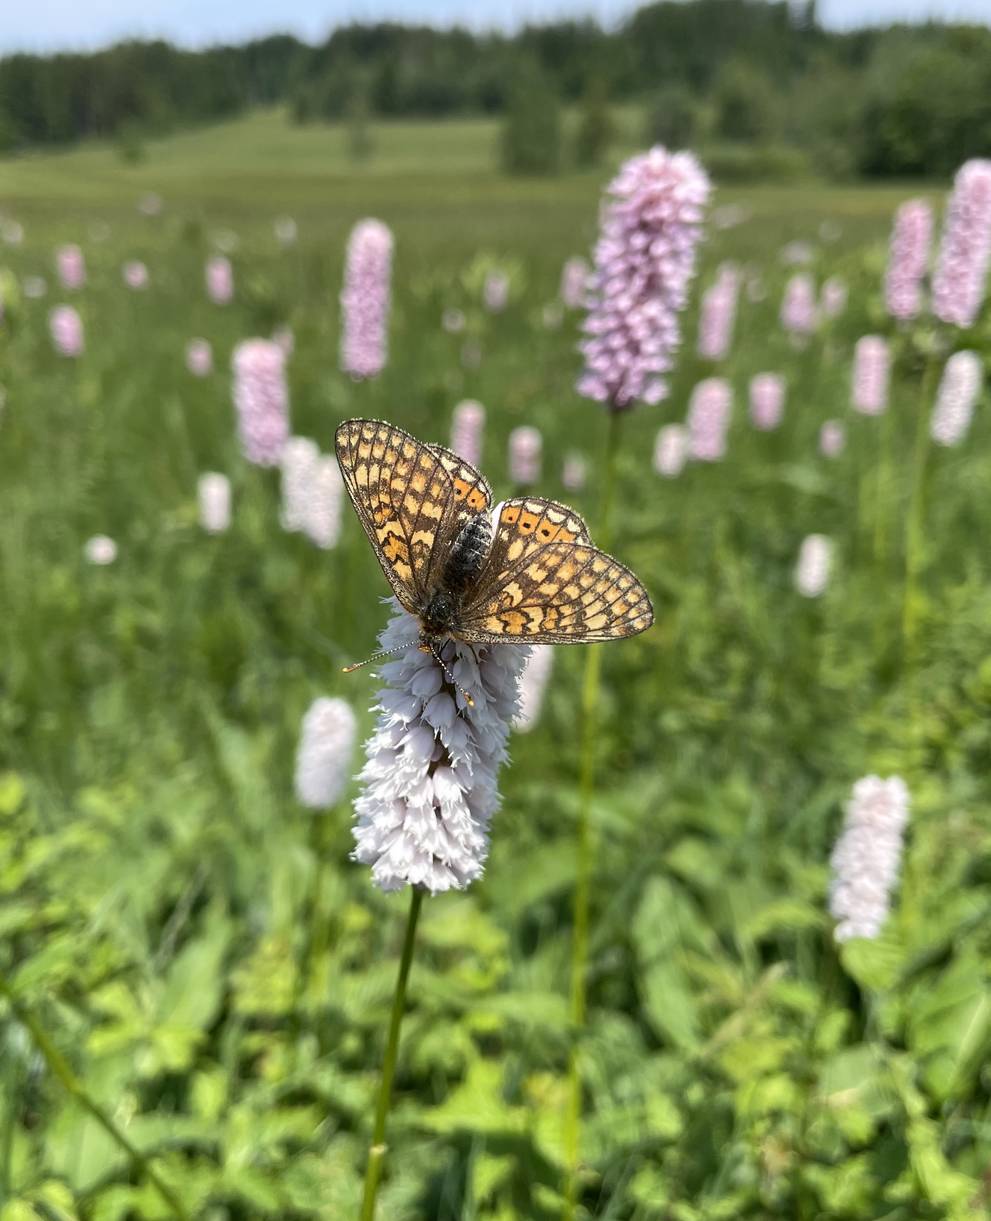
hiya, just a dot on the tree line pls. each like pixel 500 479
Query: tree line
pixel 741 74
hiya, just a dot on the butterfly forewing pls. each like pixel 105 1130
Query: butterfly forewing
pixel 411 500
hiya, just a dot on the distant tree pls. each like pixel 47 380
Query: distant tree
pixel 531 132
pixel 744 104
pixel 596 129
pixel 928 106
pixel 672 117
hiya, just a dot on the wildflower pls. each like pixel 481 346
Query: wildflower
pixel 429 786
pixel 867 856
pixel 365 299
pixel 525 445
pixel 797 254
pixel 453 321
pixel 718 314
pixel 552 315
pixel 708 419
pixel 959 390
pixel 574 282
pixel 219 280
pixel 66 329
pixel 670 450
pixel 323 511
pixel 798 306
pixel 135 274
pixel 298 461
pixel 261 398
pixel 574 471
pixel 214 492
pixel 495 292
pixel 71 266
pixel 100 549
pixel 283 336
pixel 467 426
pixel 815 560
pixel 964 253
pixel 832 438
pixel 908 259
pixel 767 400
pixel 871 361
pixel 533 684
pixel 199 357
pixel 644 264
pixel 832 297
pixel 285 230
pixel 323 757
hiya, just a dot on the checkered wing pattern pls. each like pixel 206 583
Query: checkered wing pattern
pixel 411 499
pixel 545 583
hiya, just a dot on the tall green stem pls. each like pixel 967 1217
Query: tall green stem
pixel 914 527
pixel 378 1148
pixel 60 1068
pixel 585 852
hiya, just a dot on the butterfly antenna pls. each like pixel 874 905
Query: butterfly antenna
pixel 454 682
pixel 378 656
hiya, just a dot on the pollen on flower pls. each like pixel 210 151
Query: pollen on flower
pixel 430 781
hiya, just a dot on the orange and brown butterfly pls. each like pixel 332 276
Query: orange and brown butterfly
pixel 525 571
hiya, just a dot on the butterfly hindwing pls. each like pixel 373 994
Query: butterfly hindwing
pixel 406 496
pixel 545 582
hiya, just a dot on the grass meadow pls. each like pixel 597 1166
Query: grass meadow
pixel 213 970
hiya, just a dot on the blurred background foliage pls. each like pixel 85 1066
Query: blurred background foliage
pixel 789 96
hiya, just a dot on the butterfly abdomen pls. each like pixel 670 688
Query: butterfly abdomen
pixel 468 553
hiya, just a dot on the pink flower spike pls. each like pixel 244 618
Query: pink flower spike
pixel 832 438
pixel 365 299
pixel 467 427
pixel 71 267
pixel 799 314
pixel 815 561
pixel 871 361
pixel 832 297
pixel 525 446
pixel 908 259
pixel 574 282
pixel 220 280
pixel 962 267
pixel 767 400
pixel 718 314
pixel 574 471
pixel 959 390
pixel 708 419
pixel 199 357
pixel 644 264
pixel 261 399
pixel 66 329
pixel 670 450
pixel 135 275
pixel 495 292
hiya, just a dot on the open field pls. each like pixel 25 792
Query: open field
pixel 218 972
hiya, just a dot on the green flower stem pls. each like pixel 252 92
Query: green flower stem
pixel 378 1148
pixel 914 523
pixel 61 1069
pixel 585 853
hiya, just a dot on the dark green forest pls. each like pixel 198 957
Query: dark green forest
pixel 903 100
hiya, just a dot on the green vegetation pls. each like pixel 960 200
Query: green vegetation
pixel 881 102
pixel 214 970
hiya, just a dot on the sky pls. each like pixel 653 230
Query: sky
pixel 46 25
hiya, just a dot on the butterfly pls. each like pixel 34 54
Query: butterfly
pixel 524 571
